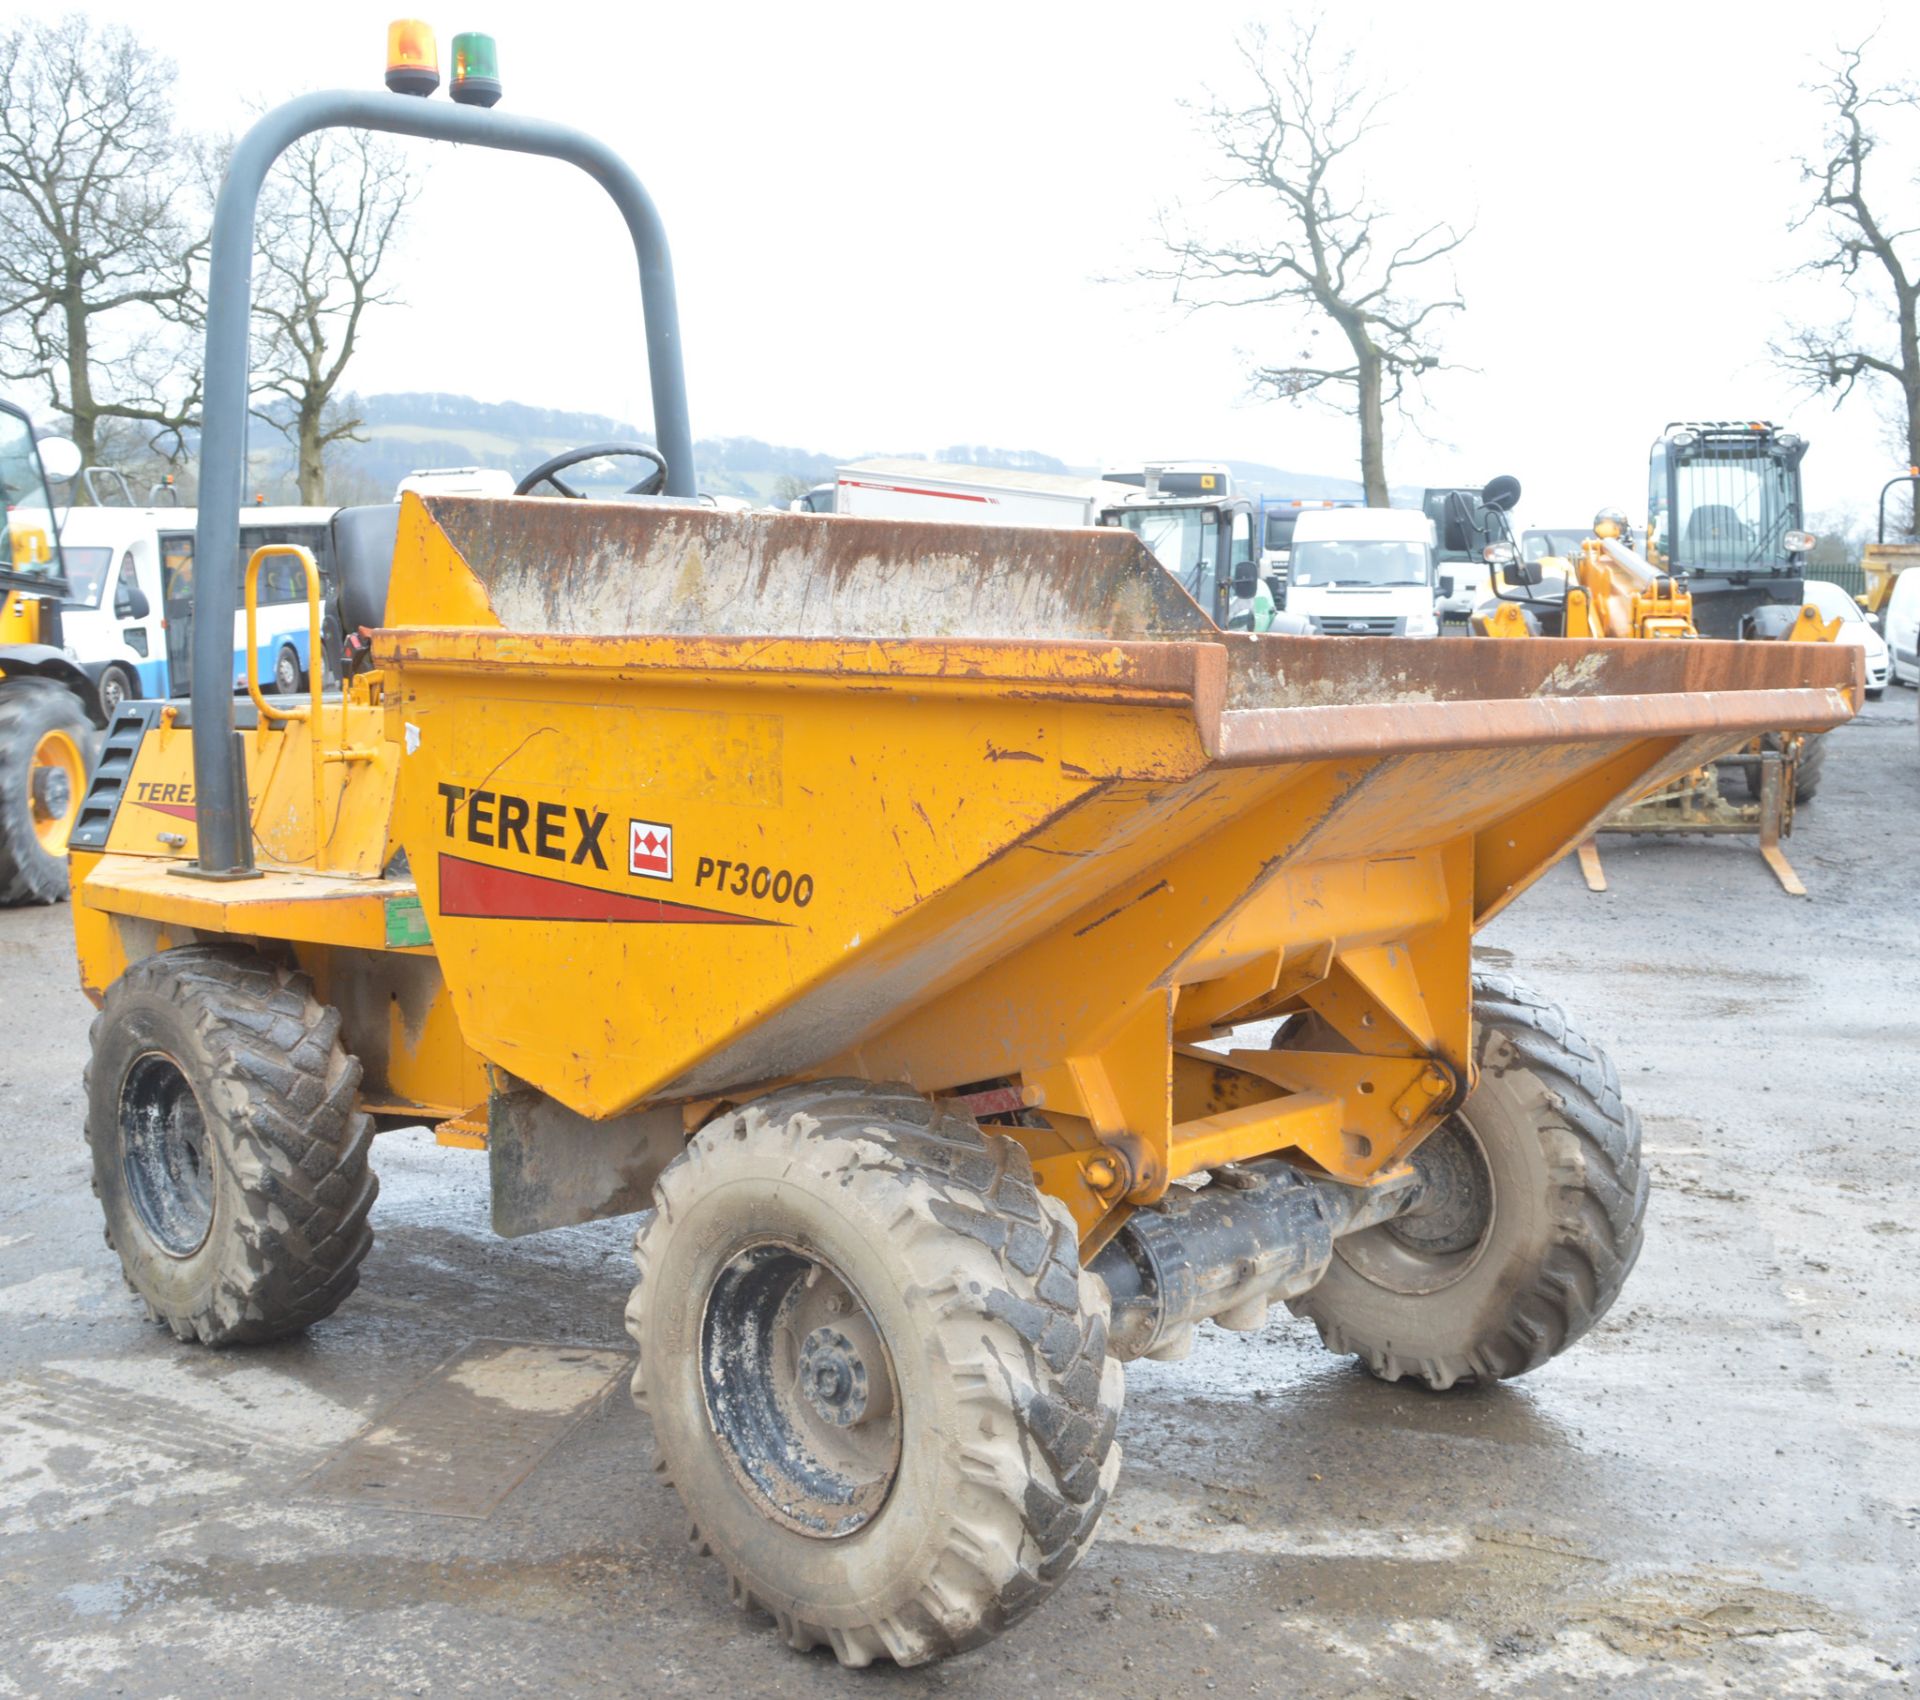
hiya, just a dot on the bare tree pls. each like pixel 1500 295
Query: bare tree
pixel 1293 228
pixel 1864 247
pixel 330 218
pixel 97 270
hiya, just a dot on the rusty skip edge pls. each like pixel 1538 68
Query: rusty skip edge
pixel 1251 736
pixel 1425 694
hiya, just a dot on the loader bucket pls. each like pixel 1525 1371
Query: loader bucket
pixel 771 795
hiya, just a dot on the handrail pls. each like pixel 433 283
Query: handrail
pixel 219 761
pixel 316 679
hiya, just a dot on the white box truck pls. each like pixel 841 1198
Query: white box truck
pixel 983 495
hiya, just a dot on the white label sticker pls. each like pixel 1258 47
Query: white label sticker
pixel 650 849
pixel 413 739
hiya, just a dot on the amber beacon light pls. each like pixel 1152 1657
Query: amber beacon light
pixel 413 57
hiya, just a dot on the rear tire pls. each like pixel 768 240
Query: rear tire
pixel 117 685
pixel 877 1375
pixel 46 753
pixel 229 1154
pixel 288 677
pixel 1538 1206
pixel 1807 771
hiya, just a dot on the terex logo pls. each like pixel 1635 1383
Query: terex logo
pixel 557 831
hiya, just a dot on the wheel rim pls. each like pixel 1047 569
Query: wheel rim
pixel 1441 1238
pixel 286 673
pixel 112 694
pixel 167 1154
pixel 800 1390
pixel 56 777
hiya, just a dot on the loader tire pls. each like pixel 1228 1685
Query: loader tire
pixel 229 1153
pixel 46 744
pixel 877 1375
pixel 1539 1199
pixel 1807 771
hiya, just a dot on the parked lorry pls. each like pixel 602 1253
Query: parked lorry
pixel 128 615
pixel 853 898
pixel 983 495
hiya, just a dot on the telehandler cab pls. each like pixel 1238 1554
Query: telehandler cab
pixel 857 898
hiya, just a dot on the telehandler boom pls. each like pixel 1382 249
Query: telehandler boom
pixel 864 901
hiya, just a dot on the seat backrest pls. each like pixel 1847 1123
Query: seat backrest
pixel 363 541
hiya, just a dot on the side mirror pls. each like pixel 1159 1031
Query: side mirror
pixel 132 604
pixel 1246 579
pixel 1516 574
pixel 1446 585
pixel 59 459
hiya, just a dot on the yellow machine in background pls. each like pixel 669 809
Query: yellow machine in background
pixel 1885 562
pixel 863 902
pixel 1723 558
pixel 46 701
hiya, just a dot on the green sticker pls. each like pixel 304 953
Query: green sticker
pixel 406 923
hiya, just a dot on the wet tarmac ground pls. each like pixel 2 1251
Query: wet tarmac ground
pixel 1717 1492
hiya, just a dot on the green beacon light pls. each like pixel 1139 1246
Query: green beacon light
pixel 476 70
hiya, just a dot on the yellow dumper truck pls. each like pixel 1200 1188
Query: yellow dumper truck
pixel 865 901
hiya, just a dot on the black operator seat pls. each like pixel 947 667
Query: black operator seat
pixel 363 544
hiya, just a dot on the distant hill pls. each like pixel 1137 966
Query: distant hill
pixel 413 430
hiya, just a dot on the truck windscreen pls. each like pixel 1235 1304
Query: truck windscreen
pixel 1381 562
pixel 1733 512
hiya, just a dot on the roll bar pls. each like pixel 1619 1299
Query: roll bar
pixel 1910 476
pixel 219 762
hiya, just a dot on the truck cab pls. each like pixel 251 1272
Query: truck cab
pixel 1207 543
pixel 1724 510
pixel 1364 572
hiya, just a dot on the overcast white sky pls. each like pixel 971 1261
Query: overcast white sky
pixel 889 222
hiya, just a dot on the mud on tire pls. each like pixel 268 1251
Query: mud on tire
pixel 1540 1204
pixel 229 1154
pixel 964 1283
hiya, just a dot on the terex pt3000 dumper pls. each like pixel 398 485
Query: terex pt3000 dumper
pixel 856 894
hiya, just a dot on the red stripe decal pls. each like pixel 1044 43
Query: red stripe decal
pixel 914 490
pixel 475 891
pixel 181 811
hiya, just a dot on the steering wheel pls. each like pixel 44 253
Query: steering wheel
pixel 546 472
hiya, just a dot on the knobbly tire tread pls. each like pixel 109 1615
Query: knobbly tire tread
pixel 979 1186
pixel 30 708
pixel 293 1146
pixel 1591 1146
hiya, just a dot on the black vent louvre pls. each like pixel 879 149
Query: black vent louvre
pixel 118 749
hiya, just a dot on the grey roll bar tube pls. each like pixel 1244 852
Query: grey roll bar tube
pixel 219 773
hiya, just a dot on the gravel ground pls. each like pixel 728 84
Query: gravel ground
pixel 1718 1491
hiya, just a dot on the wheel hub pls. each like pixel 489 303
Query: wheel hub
pixel 167 1153
pixel 799 1389
pixel 1455 1200
pixel 52 792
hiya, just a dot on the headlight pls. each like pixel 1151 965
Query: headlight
pixel 1799 542
pixel 1422 625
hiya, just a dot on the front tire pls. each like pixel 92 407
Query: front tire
pixel 877 1375
pixel 1536 1204
pixel 229 1154
pixel 46 745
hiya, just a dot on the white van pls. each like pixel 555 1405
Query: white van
pixel 1364 572
pixel 129 616
pixel 1901 628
